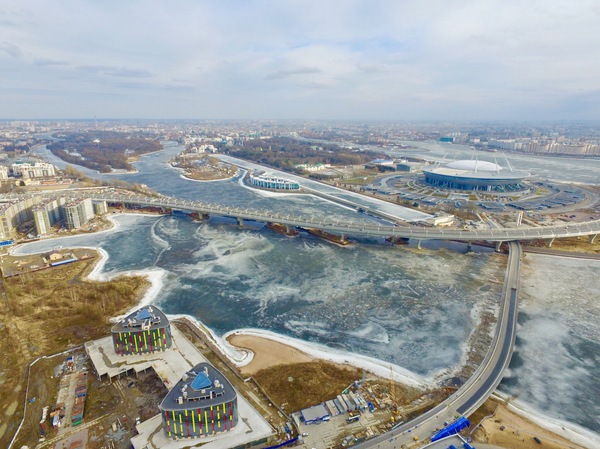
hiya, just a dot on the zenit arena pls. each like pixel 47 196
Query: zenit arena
pixel 475 175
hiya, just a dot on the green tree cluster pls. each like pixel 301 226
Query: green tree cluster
pixel 285 153
pixel 104 150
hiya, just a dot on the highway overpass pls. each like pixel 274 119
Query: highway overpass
pixel 589 228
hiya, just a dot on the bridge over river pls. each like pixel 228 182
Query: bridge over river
pixel 489 374
pixel 589 228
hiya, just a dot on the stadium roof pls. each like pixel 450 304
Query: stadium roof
pixel 474 165
pixel 476 170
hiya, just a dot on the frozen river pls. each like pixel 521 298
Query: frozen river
pixel 415 309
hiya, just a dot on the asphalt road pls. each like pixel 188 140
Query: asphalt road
pixel 354 228
pixel 483 382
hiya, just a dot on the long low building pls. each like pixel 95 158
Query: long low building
pixel 268 181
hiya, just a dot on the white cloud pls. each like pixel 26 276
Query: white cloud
pixel 299 58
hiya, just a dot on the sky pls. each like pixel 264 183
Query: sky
pixel 293 59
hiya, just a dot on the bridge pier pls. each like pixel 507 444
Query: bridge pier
pixel 395 240
pixel 200 216
pixel 418 243
pixel 469 247
pixel 550 242
pixel 593 237
pixel 240 222
pixel 498 245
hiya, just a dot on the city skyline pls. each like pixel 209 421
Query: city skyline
pixel 350 60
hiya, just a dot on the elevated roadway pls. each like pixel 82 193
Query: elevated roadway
pixel 482 383
pixel 591 228
pixel 489 374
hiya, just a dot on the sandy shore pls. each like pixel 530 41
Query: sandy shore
pixel 319 352
pixel 267 353
pixel 518 431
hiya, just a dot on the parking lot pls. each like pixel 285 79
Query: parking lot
pixel 326 434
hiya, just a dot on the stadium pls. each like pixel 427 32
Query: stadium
pixel 202 403
pixel 475 175
pixel 144 331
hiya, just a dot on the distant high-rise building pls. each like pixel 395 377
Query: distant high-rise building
pixel 100 207
pixel 78 212
pixel 36 170
pixel 47 213
pixel 14 213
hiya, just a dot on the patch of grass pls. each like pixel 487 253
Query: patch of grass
pixel 49 311
pixel 360 180
pixel 303 385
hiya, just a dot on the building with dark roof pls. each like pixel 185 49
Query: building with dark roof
pixel 475 175
pixel 202 403
pixel 143 331
pixel 315 414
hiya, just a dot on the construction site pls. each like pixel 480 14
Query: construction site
pixel 365 409
pixel 98 396
pixel 104 399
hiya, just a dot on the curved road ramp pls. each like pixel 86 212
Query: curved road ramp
pixel 482 383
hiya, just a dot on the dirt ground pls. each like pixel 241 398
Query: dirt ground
pixel 518 432
pixel 274 362
pixel 573 244
pixel 44 313
pixel 267 353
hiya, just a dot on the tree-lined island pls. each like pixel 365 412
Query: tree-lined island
pixel 104 151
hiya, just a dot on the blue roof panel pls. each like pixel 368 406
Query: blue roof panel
pixel 143 315
pixel 201 381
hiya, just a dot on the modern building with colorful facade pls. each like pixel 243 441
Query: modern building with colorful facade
pixel 202 403
pixel 144 331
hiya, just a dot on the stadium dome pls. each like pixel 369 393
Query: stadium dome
pixel 474 165
pixel 475 175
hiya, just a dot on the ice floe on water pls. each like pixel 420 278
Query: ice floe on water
pixel 556 367
pixel 371 331
pixel 413 309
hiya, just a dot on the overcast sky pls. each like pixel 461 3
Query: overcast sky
pixel 369 59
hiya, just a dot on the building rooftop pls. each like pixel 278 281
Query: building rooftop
pixel 146 318
pixel 314 413
pixel 74 202
pixel 474 165
pixel 474 169
pixel 202 386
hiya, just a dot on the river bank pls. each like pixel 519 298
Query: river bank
pixel 510 427
pixel 235 254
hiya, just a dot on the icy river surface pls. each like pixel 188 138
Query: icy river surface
pixel 415 309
